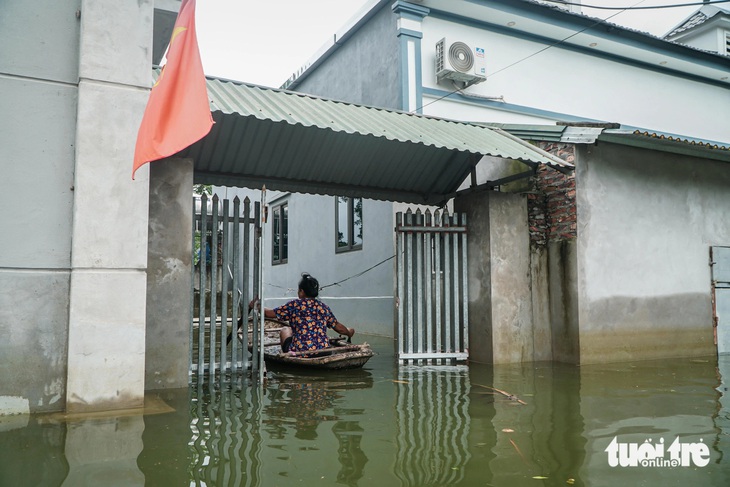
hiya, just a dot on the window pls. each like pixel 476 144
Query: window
pixel 280 234
pixel 348 223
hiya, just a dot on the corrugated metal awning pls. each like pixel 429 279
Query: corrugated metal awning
pixel 590 133
pixel 294 142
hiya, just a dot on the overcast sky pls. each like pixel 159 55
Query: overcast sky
pixel 264 42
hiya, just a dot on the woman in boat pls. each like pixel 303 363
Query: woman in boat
pixel 308 319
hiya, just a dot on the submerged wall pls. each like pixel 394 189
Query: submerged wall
pixel 646 222
pixel 75 79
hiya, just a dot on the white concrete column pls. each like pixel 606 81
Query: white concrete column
pixel 106 338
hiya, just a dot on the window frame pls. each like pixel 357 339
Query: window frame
pixel 350 225
pixel 277 213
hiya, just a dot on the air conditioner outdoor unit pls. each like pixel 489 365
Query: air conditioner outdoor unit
pixel 457 61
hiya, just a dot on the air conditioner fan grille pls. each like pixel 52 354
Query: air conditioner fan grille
pixel 461 57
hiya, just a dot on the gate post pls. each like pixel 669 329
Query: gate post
pixel 169 274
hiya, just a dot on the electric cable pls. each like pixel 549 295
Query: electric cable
pixel 599 21
pixel 647 7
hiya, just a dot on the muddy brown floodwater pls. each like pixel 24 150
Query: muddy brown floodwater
pixel 654 423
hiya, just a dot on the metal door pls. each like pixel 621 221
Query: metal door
pixel 433 318
pixel 720 262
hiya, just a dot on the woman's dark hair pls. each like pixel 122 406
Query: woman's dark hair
pixel 309 285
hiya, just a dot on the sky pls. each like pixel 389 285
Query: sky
pixel 264 42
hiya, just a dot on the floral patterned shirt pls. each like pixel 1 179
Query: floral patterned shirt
pixel 309 319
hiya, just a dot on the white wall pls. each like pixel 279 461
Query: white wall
pixel 577 84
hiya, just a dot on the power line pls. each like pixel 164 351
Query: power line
pixel 337 283
pixel 358 274
pixel 600 21
pixel 647 7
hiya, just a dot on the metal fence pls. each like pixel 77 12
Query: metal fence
pixel 433 318
pixel 226 275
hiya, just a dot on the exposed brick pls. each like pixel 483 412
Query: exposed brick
pixel 551 208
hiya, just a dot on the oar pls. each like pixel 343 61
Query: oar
pixel 240 324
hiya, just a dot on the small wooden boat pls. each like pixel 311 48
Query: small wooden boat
pixel 339 355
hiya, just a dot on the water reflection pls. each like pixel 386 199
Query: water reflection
pixel 432 424
pixel 240 433
pixel 535 424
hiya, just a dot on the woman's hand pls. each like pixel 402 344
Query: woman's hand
pixel 343 330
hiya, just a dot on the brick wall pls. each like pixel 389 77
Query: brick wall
pixel 551 207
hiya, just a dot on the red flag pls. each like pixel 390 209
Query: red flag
pixel 178 112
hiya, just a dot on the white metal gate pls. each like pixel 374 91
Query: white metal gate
pixel 227 273
pixel 432 300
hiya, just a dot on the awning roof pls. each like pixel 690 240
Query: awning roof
pixel 294 142
pixel 589 133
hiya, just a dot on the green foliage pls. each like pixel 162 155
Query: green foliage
pixel 203 189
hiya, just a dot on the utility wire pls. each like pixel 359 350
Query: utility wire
pixel 359 273
pixel 647 7
pixel 289 289
pixel 600 21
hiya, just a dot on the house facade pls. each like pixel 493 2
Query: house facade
pixel 542 66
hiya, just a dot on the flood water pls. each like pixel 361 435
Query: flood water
pixel 384 425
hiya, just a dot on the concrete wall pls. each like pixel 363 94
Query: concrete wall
pixel 169 268
pixel 555 301
pixel 74 78
pixel 364 69
pixel 646 221
pixel 38 97
pixel 500 303
pixel 109 238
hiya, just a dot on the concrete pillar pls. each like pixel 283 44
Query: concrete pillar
pixel 106 337
pixel 169 268
pixel 409 18
pixel 500 300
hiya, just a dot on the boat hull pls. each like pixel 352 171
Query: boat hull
pixel 334 357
